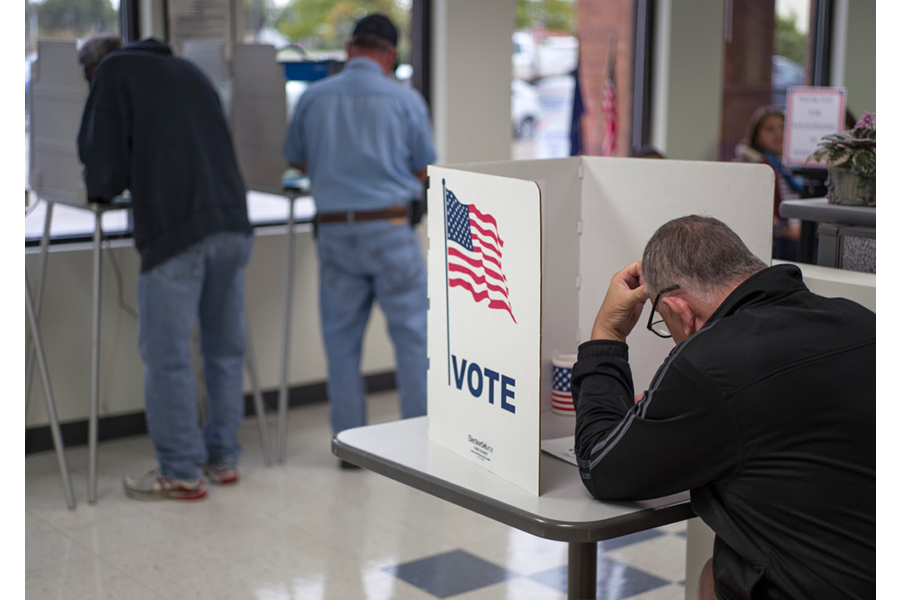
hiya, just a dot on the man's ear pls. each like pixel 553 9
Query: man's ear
pixel 392 61
pixel 684 311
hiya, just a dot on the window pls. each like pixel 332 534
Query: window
pixel 552 39
pixel 768 50
pixel 545 55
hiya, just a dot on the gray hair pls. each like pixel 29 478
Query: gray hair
pixel 96 48
pixel 699 254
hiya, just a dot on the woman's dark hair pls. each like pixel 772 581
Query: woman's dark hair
pixel 756 122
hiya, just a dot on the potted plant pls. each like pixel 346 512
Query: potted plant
pixel 850 158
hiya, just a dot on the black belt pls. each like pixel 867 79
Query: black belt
pixel 392 212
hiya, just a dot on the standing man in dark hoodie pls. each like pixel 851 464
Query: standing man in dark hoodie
pixel 153 124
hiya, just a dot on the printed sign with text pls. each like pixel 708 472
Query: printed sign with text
pixel 484 318
pixel 812 112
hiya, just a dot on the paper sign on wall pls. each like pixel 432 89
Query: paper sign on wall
pixel 484 319
pixel 812 112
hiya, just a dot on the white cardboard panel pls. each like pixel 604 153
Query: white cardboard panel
pixel 625 200
pixel 484 363
pixel 259 121
pixel 57 96
pixel 209 56
pixel 560 184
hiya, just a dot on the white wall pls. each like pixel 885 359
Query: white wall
pixel 687 91
pixel 472 79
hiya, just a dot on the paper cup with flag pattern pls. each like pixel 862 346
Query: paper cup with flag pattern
pixel 561 393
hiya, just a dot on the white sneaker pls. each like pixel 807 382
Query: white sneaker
pixel 221 475
pixel 154 486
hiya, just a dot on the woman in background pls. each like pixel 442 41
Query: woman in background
pixel 762 144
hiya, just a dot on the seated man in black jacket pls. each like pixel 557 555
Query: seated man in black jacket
pixel 153 124
pixel 765 410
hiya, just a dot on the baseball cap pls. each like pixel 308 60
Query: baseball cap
pixel 376 25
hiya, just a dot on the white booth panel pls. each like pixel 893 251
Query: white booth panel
pixel 624 201
pixel 560 184
pixel 259 116
pixel 57 96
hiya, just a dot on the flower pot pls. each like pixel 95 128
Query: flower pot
pixel 845 186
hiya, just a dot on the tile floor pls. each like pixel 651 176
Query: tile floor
pixel 303 530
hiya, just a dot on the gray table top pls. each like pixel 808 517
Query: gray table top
pixel 564 511
pixel 819 210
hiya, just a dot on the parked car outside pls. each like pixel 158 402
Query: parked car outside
pixel 533 59
pixel 525 110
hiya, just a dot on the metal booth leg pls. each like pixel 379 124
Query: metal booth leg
pixel 38 301
pixel 286 347
pixel 257 398
pixel 49 401
pixel 582 571
pixel 95 365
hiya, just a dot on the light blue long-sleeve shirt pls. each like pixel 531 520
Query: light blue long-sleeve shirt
pixel 362 136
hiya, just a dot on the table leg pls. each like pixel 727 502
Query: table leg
pixel 95 366
pixel 286 347
pixel 49 401
pixel 806 245
pixel 257 398
pixel 582 571
pixel 42 272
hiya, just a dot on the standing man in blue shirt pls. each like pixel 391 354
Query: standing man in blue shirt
pixel 365 142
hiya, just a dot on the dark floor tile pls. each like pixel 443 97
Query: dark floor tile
pixel 615 580
pixel 451 573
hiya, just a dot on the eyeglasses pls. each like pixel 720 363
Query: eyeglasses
pixel 659 326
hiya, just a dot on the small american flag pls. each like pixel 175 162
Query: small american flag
pixel 561 392
pixel 475 253
pixel 608 107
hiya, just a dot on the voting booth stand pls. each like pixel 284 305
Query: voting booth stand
pixel 520 255
pixel 56 102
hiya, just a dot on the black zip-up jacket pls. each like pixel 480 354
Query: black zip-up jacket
pixel 153 124
pixel 767 414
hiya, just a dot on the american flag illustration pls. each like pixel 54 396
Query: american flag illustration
pixel 475 254
pixel 561 392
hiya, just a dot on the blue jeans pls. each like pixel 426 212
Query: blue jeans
pixel 360 263
pixel 206 281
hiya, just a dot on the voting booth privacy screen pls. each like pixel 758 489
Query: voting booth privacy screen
pixel 519 258
pixel 56 100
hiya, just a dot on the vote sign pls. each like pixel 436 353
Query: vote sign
pixel 484 319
